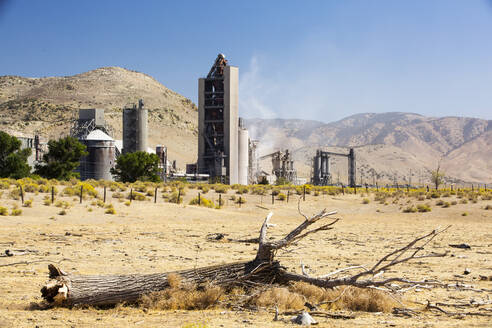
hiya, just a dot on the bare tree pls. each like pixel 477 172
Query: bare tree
pixel 67 290
pixel 437 176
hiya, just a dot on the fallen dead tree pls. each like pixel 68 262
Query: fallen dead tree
pixel 65 289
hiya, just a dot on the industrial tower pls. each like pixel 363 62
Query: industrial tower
pixel 218 123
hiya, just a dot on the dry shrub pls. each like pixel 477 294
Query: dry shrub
pixel 365 299
pixel 180 296
pixel 279 296
pixel 346 298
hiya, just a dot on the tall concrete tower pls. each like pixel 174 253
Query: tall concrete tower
pixel 218 122
pixel 135 131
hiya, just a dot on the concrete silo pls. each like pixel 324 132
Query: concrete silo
pixel 101 158
pixel 135 129
pixel 243 154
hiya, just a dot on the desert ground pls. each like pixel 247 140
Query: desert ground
pixel 148 237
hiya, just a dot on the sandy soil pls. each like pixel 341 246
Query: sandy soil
pixel 147 238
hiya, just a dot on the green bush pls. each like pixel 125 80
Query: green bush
pixel 410 209
pixel 242 190
pixel 366 201
pixel 137 196
pixel 221 188
pixel 110 209
pixel 87 190
pixel 4 211
pixel 139 165
pixel 423 208
pixel 62 158
pixel 173 198
pixel 16 212
pixel 281 196
pixel 258 190
pixel 203 202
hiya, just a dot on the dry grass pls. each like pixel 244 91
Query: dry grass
pixel 346 298
pixel 180 296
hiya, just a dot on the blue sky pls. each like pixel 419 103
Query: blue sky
pixel 320 60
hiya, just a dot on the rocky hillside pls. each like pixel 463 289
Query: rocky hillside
pixel 389 144
pixel 47 106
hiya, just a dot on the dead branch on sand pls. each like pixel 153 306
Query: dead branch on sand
pixel 65 289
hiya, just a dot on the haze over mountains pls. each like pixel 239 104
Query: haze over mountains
pixel 387 144
pixel 390 144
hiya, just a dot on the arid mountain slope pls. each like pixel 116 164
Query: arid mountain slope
pixel 389 144
pixel 47 105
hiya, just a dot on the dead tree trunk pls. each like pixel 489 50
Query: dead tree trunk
pixel 69 290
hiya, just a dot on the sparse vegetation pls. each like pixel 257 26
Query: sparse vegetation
pixel 4 211
pixel 61 159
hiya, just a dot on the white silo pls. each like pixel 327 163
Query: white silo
pixel 243 154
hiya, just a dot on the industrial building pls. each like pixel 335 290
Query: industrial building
pixel 38 148
pixel 322 170
pixel 282 165
pixel 101 158
pixel 90 129
pixel 135 130
pixel 223 142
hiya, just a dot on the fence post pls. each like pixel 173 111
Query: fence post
pixel 343 190
pixel 304 193
pixel 355 190
pixel 52 194
pixel 240 201
pixel 104 194
pixel 367 189
pixel 81 191
pixel 131 194
pixel 21 194
pixel 199 199
pixel 377 187
pixel 288 195
pixel 179 194
pixel 427 188
pixel 155 195
pixel 273 199
pixel 220 200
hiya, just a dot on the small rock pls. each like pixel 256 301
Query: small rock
pixel 8 252
pixel 467 271
pixel 304 319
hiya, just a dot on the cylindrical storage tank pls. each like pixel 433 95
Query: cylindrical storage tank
pixel 97 164
pixel 142 132
pixel 243 156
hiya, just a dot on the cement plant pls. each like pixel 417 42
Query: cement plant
pixel 273 164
